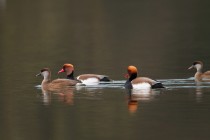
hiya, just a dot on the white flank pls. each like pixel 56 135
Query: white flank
pixel 141 86
pixel 90 81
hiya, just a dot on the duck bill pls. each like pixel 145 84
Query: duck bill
pixel 190 67
pixel 62 70
pixel 126 76
pixel 38 74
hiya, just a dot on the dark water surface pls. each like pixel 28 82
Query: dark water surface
pixel 162 38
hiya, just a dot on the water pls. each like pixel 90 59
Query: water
pixel 161 38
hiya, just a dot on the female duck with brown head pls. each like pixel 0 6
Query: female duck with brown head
pixel 199 75
pixel 135 82
pixel 47 84
pixel 87 79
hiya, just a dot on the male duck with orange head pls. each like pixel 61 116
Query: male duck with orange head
pixel 135 82
pixel 87 79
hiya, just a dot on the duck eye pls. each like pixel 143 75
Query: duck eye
pixel 64 68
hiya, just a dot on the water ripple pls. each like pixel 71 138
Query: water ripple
pixel 168 83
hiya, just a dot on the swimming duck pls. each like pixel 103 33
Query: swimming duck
pixel 199 75
pixel 135 82
pixel 87 79
pixel 47 84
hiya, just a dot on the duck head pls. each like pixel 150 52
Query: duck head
pixel 67 68
pixel 131 73
pixel 45 72
pixel 198 65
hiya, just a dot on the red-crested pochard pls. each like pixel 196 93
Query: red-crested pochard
pixel 135 82
pixel 47 84
pixel 199 75
pixel 87 79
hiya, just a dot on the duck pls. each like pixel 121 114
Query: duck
pixel 199 75
pixel 139 83
pixel 86 79
pixel 48 84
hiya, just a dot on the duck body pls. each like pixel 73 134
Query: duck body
pixel 58 83
pixel 139 83
pixel 87 79
pixel 47 84
pixel 143 83
pixel 199 75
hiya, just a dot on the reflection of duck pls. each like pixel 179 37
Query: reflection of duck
pixel 65 95
pixel 132 106
pixel 47 84
pixel 199 92
pixel 199 76
pixel 87 79
pixel 135 82
pixel 134 96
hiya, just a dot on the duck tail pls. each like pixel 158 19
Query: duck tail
pixel 105 79
pixel 158 85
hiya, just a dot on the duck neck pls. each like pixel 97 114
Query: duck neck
pixel 133 76
pixel 71 76
pixel 199 69
pixel 46 79
pixel 198 76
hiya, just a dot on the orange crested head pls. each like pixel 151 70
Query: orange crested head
pixel 68 66
pixel 132 70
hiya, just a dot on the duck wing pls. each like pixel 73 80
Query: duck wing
pixel 63 82
pixel 205 76
pixel 207 73
pixel 104 78
pixel 87 76
pixel 143 80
